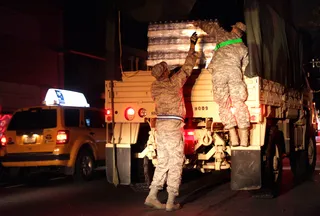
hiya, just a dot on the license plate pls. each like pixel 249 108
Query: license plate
pixel 29 140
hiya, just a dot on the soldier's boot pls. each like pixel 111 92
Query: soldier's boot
pixel 152 200
pixel 171 204
pixel 234 139
pixel 244 137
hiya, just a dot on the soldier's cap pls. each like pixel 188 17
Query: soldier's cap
pixel 241 26
pixel 158 69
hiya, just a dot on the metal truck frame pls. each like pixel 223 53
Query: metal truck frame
pixel 281 125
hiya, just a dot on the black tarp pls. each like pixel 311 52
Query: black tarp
pixel 275 46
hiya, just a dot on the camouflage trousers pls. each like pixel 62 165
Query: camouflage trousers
pixel 229 90
pixel 170 152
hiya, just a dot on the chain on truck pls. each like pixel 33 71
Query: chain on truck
pixel 279 101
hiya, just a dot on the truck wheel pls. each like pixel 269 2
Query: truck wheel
pixel 303 162
pixel 84 167
pixel 142 169
pixel 273 172
pixel 271 166
pixel 312 156
pixel 144 175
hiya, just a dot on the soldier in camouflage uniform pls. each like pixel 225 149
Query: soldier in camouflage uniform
pixel 170 108
pixel 229 89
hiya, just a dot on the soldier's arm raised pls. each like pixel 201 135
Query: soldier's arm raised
pixel 210 27
pixel 182 75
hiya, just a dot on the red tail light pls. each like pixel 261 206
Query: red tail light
pixel 189 141
pixel 190 133
pixel 3 141
pixel 129 113
pixel 62 137
pixel 109 114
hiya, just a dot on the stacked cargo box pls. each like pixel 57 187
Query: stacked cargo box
pixel 170 42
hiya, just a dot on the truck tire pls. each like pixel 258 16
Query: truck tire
pixel 84 167
pixel 142 169
pixel 312 157
pixel 271 166
pixel 143 176
pixel 303 163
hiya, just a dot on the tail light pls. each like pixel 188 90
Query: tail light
pixel 108 114
pixel 3 141
pixel 142 112
pixel 190 133
pixel 129 113
pixel 62 137
pixel 189 141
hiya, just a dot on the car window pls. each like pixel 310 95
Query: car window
pixel 94 118
pixel 71 117
pixel 35 118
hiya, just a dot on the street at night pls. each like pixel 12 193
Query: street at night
pixel 103 102
pixel 207 194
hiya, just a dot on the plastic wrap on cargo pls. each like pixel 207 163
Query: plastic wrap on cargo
pixel 170 42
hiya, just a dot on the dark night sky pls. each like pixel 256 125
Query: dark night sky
pixel 85 22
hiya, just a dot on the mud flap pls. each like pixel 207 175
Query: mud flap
pixel 123 163
pixel 246 168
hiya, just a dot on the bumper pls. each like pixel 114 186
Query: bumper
pixel 34 159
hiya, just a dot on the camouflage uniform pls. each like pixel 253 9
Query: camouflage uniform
pixel 227 67
pixel 170 109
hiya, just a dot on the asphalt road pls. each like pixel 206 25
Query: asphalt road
pixel 200 195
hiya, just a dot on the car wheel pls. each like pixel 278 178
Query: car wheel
pixel 84 167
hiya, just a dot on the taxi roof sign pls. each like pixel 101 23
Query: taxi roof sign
pixel 65 98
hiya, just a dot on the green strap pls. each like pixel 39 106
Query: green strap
pixel 228 42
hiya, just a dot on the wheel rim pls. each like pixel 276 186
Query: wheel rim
pixel 276 164
pixel 310 152
pixel 86 165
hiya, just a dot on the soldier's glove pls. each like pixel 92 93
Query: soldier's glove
pixel 194 38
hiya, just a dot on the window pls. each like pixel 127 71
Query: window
pixel 71 117
pixel 94 118
pixel 35 118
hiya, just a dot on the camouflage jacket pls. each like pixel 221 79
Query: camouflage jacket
pixel 234 56
pixel 168 93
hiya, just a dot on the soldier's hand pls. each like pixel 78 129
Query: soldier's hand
pixel 194 38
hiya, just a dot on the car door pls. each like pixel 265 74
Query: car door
pixel 94 121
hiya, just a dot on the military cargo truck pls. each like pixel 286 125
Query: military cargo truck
pixel 279 101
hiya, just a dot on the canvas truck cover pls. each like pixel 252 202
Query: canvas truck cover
pixel 275 47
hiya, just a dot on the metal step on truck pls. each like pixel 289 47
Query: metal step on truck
pixel 279 100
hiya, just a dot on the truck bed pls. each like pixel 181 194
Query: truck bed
pixel 134 91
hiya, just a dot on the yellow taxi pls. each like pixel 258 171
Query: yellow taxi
pixel 63 136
